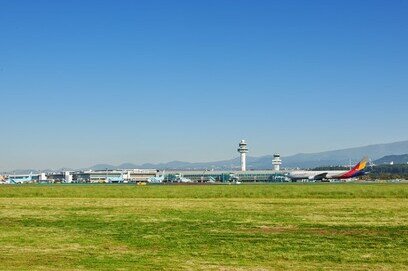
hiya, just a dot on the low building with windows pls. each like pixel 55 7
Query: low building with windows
pixel 114 176
pixel 228 176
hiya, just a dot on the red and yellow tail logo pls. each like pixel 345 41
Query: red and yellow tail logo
pixel 356 170
pixel 362 164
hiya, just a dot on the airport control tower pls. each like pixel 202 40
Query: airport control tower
pixel 276 162
pixel 242 149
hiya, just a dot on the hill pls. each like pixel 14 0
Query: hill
pixel 302 160
pixel 396 159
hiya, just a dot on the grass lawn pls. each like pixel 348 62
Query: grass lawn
pixel 214 227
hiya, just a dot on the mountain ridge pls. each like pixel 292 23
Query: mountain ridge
pixel 394 159
pixel 301 160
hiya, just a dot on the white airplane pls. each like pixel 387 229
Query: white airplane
pixel 181 179
pixel 156 179
pixel 115 179
pixel 357 170
pixel 211 180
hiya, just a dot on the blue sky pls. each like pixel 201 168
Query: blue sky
pixel 85 82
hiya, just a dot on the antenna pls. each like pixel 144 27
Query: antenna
pixel 350 164
pixel 370 163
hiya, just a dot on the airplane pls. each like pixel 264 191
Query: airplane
pixel 356 171
pixel 158 179
pixel 115 179
pixel 211 180
pixel 3 180
pixel 181 179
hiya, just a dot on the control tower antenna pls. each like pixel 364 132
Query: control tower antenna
pixel 242 149
pixel 276 162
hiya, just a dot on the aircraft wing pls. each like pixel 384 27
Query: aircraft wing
pixel 320 176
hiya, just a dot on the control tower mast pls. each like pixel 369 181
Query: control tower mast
pixel 276 162
pixel 242 149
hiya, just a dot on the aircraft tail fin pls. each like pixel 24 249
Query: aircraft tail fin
pixel 362 164
pixel 357 170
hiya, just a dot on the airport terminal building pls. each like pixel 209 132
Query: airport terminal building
pixel 227 176
pixel 114 176
pixel 163 176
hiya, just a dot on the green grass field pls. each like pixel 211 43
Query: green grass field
pixel 217 227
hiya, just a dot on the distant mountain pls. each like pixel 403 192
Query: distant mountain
pixel 23 171
pixel 301 160
pixel 396 159
pixel 37 171
pixel 227 164
pixel 343 157
pixel 102 167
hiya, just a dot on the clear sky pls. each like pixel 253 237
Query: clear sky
pixel 86 82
